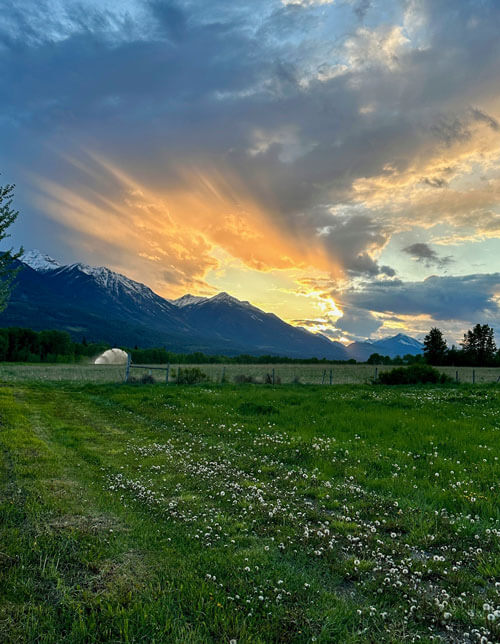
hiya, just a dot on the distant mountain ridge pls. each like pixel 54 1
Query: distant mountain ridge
pixel 102 305
pixel 398 345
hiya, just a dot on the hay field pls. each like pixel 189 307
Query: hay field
pixel 286 373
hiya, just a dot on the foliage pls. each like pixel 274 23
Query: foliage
pixel 25 345
pixel 242 378
pixel 435 347
pixel 191 376
pixel 479 345
pixel 7 258
pixel 414 374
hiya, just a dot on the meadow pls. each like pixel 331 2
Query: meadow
pixel 284 373
pixel 249 514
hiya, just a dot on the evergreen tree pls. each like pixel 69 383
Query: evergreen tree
pixel 7 217
pixel 435 347
pixel 479 345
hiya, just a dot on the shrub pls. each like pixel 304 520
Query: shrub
pixel 415 374
pixel 191 376
pixel 147 379
pixel 242 378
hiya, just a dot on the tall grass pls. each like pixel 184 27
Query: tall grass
pixel 249 514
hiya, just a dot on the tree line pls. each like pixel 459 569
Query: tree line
pixel 477 349
pixel 25 345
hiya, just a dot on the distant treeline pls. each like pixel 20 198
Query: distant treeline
pixel 478 349
pixel 26 345
pixel 162 356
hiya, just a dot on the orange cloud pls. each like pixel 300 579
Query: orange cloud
pixel 168 239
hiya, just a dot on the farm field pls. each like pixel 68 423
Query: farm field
pixel 284 373
pixel 249 514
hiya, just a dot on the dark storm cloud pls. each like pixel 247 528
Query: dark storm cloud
pixel 297 106
pixel 424 253
pixel 361 8
pixel 358 323
pixel 435 183
pixel 479 115
pixel 465 297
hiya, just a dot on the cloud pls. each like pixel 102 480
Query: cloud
pixel 436 182
pixel 287 135
pixel 481 116
pixel 358 323
pixel 361 8
pixel 468 298
pixel 421 252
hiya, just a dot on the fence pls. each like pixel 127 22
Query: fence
pixel 149 368
pixel 308 373
pixel 219 373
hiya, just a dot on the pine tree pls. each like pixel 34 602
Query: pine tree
pixel 479 345
pixel 7 217
pixel 435 348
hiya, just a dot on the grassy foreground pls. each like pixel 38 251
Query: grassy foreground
pixel 249 514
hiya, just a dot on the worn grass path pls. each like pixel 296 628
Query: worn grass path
pixel 141 514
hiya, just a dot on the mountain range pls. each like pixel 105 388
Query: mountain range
pixel 102 305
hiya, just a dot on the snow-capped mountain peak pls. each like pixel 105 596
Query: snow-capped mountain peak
pixel 113 283
pixel 39 261
pixel 187 300
pixel 220 298
pixel 226 298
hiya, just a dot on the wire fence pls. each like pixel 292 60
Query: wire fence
pixel 305 373
pixel 224 374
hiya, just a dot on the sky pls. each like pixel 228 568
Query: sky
pixel 336 162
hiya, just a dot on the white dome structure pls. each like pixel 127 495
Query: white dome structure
pixel 112 356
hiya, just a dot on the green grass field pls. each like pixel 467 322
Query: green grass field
pixel 249 514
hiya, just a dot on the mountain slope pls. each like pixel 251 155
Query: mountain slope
pixel 231 319
pixel 46 301
pixel 106 306
pixel 398 345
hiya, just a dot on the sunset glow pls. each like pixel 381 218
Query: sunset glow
pixel 336 163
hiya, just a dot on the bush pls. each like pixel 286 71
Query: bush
pixel 413 375
pixel 191 376
pixel 147 379
pixel 242 378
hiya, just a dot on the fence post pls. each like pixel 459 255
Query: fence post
pixel 273 375
pixel 456 375
pixel 473 376
pixel 376 373
pixel 331 376
pixel 324 376
pixel 167 373
pixel 127 371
